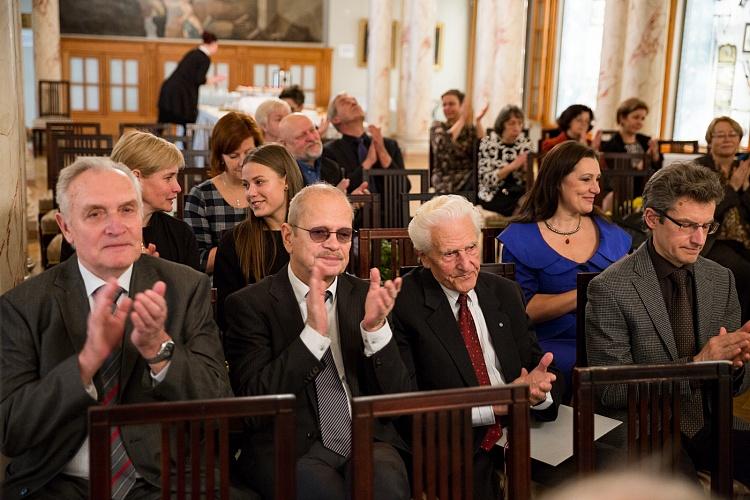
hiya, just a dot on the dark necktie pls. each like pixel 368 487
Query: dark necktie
pixel 681 318
pixel 361 149
pixel 473 347
pixel 122 469
pixel 333 405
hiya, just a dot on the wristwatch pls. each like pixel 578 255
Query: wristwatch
pixel 165 352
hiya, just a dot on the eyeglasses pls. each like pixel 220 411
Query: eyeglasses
pixel 691 227
pixel 451 256
pixel 321 234
pixel 721 137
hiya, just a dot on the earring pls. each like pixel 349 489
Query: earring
pixel 286 188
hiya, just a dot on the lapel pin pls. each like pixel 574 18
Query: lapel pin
pixel 500 325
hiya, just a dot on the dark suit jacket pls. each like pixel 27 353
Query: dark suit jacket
pixel 267 356
pixel 330 171
pixel 434 351
pixel 627 320
pixel 344 152
pixel 43 410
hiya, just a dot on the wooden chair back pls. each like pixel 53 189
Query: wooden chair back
pixel 686 147
pixel 64 156
pixel 368 209
pixel 402 252
pixel 533 162
pixel 491 246
pixel 608 134
pixel 653 413
pixel 187 177
pixel 158 129
pixel 442 439
pixel 625 174
pixel 62 129
pixel 547 133
pixel 194 436
pixel 582 285
pixel 54 98
pixel 395 184
pixel 505 269
pixel 407 198
pixel 197 158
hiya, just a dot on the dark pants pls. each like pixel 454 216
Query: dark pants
pixel 736 258
pixel 74 488
pixel 486 468
pixel 700 450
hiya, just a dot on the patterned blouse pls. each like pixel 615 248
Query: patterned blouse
pixel 494 155
pixel 452 161
pixel 208 214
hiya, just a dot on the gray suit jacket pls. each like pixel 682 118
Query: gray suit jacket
pixel 627 320
pixel 43 405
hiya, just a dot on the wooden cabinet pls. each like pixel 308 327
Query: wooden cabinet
pixel 114 81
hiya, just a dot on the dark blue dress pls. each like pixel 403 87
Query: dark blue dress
pixel 539 269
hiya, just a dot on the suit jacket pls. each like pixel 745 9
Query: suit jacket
pixel 43 404
pixel 267 356
pixel 344 152
pixel 330 171
pixel 627 320
pixel 433 348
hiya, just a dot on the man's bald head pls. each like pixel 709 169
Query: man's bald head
pixel 300 137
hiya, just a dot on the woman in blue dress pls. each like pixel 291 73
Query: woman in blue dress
pixel 559 233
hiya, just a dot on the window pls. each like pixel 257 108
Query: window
pixel 714 75
pixel 580 53
pixel 123 85
pixel 84 84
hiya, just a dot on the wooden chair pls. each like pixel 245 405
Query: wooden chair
pixel 491 246
pixel 402 252
pixel 621 175
pixel 505 269
pixel 442 439
pixel 187 177
pixel 200 430
pixel 197 158
pixel 653 413
pixel 407 198
pixel 686 147
pixel 158 129
pixel 368 211
pixel 62 146
pixel 582 284
pixel 54 98
pixel 65 128
pixel 395 184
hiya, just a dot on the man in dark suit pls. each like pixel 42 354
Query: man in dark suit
pixel 320 334
pixel 666 304
pixel 66 345
pixel 457 327
pixel 357 150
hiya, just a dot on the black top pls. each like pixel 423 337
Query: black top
pixel 344 152
pixel 178 98
pixel 617 145
pixel 173 238
pixel 228 276
pixel 664 270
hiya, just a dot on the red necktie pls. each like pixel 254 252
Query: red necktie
pixel 471 340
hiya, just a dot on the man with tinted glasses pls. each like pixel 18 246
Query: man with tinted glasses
pixel 322 335
pixel 458 327
pixel 667 304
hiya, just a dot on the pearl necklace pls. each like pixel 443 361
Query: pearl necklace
pixel 564 233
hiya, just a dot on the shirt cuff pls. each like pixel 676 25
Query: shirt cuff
pixel 315 342
pixel 375 341
pixel 544 404
pixel 482 415
pixel 159 377
pixel 90 389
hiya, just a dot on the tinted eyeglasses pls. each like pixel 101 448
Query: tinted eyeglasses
pixel 321 234
pixel 691 227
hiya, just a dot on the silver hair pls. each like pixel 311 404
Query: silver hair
pixel 268 107
pixel 332 108
pixel 298 204
pixel 437 210
pixel 97 164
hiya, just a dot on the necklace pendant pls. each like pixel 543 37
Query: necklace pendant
pixel 567 241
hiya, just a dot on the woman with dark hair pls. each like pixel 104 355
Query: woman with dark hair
pixel 178 97
pixel 219 203
pixel 253 249
pixel 574 123
pixel 452 145
pixel 730 246
pixel 502 158
pixel 557 234
pixel 294 96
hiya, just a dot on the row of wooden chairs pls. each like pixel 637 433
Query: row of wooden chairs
pixel 195 434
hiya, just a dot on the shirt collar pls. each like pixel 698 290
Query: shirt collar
pixel 300 288
pixel 452 295
pixel 204 50
pixel 662 266
pixel 92 282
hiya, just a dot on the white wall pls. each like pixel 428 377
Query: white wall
pixel 452 75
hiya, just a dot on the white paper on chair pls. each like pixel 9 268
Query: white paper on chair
pixel 552 442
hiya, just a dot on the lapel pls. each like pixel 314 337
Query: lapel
pixel 349 333
pixel 704 299
pixel 144 276
pixel 443 324
pixel 498 324
pixel 647 286
pixel 70 294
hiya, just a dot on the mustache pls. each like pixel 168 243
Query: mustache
pixel 324 255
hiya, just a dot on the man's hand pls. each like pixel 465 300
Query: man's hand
pixel 343 185
pixel 323 126
pixel 379 301
pixel 150 250
pixel 371 158
pixel 539 380
pixel 317 314
pixel 377 140
pixel 361 189
pixel 734 347
pixel 104 330
pixel 148 316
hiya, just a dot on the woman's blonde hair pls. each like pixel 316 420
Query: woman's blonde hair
pixel 146 153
